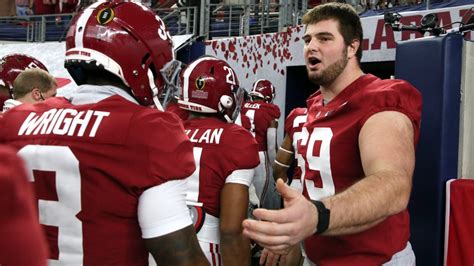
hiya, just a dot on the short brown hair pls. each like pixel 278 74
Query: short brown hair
pixel 350 26
pixel 30 79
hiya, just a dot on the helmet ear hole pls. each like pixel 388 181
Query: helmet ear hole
pixel 226 101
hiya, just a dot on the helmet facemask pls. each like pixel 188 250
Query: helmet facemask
pixel 230 108
pixel 170 74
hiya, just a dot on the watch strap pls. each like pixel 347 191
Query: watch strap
pixel 323 217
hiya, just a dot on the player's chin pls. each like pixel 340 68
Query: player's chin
pixel 314 75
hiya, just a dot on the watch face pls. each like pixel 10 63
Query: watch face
pixel 198 216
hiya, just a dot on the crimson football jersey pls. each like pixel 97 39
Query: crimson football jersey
pixel 245 122
pixel 21 239
pixel 328 154
pixel 89 164
pixel 261 114
pixel 220 149
pixel 293 125
pixel 180 112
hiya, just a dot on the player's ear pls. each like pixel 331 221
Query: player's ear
pixel 352 48
pixel 36 94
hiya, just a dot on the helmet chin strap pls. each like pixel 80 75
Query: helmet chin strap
pixel 224 114
pixel 225 102
pixel 154 90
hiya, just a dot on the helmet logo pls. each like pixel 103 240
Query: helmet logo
pixel 199 93
pixel 105 16
pixel 200 83
pixel 32 65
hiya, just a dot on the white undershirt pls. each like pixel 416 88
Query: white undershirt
pixel 162 209
pixel 9 104
pixel 242 176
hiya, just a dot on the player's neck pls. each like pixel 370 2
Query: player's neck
pixel 196 115
pixel 349 75
pixel 28 98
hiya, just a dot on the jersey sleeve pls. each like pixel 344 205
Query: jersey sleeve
pixel 173 107
pixel 275 111
pixel 241 151
pixel 289 120
pixel 290 127
pixel 160 135
pixel 243 177
pixel 394 95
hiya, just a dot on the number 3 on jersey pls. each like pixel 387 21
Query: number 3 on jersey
pixel 58 165
pixel 310 160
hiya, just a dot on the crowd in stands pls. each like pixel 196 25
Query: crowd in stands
pixel 43 7
pixel 37 7
pixel 364 5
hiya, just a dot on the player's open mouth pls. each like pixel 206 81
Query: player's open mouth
pixel 313 61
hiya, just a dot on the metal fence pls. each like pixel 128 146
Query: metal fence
pixel 180 21
pixel 34 28
pixel 226 20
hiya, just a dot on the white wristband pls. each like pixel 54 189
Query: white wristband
pixel 281 164
pixel 285 150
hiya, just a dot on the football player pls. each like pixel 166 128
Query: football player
pixel 284 158
pixel 263 116
pixel 225 154
pixel 358 148
pixel 285 155
pixel 109 168
pixel 31 86
pixel 21 239
pixel 10 67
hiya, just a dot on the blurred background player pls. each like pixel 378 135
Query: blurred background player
pixel 21 239
pixel 284 158
pixel 285 154
pixel 263 116
pixel 12 65
pixel 31 86
pixel 226 155
pixel 109 170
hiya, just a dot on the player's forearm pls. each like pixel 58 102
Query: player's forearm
pixel 283 160
pixel 294 257
pixel 281 164
pixel 235 249
pixel 367 202
pixel 279 172
pixel 352 229
pixel 177 248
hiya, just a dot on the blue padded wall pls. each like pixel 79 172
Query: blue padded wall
pixel 191 52
pixel 433 65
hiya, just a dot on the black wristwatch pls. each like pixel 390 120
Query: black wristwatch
pixel 323 217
